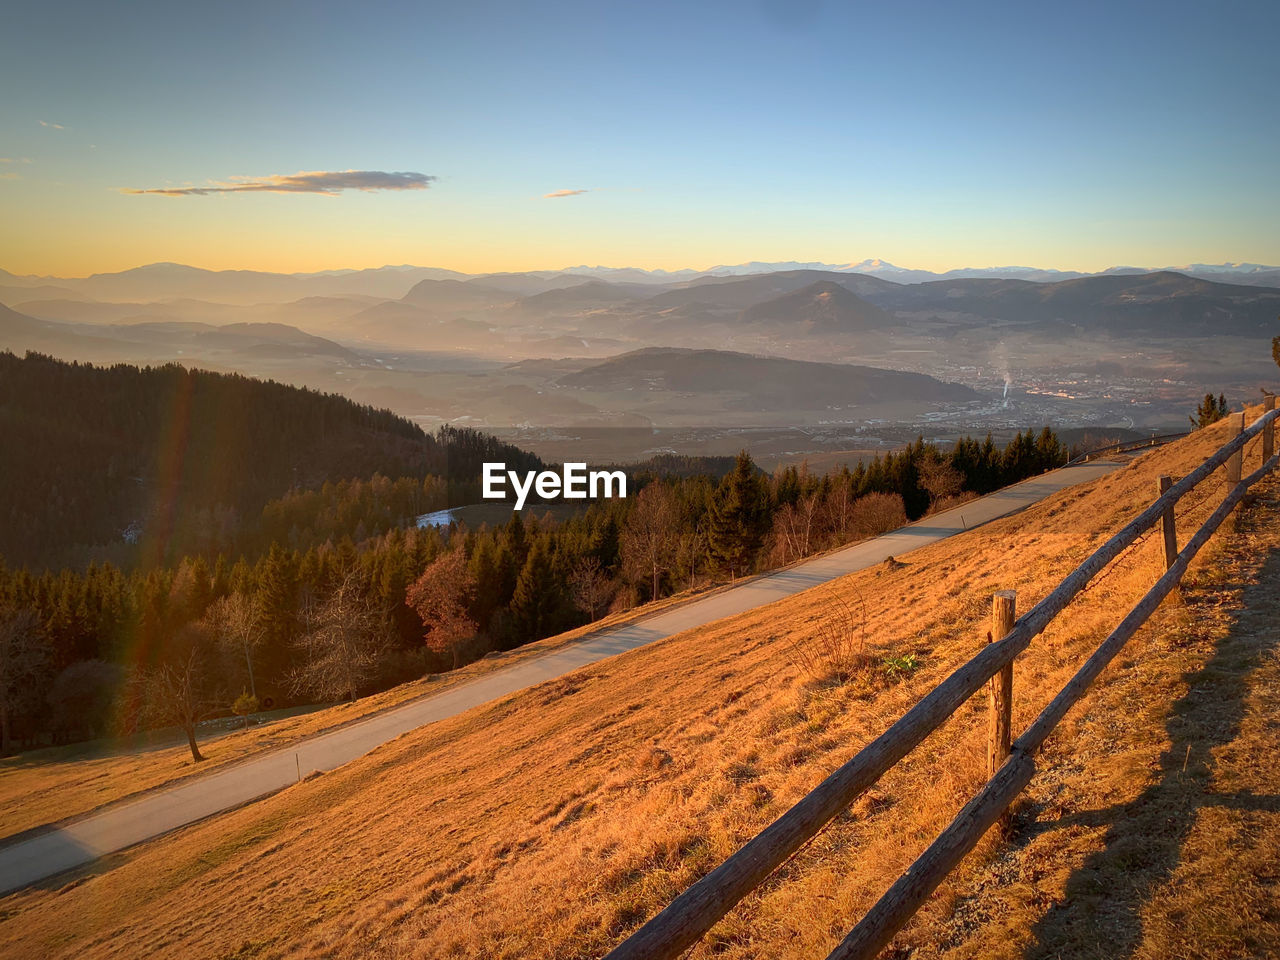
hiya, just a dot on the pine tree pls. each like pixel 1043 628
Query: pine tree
pixel 608 543
pixel 738 517
pixel 277 602
pixel 1209 411
pixel 537 597
pixel 515 540
pixel 989 466
pixel 221 578
pixel 1049 450
pixel 787 486
pixel 487 574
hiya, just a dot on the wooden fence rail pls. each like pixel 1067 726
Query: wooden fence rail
pixel 897 906
pixel 697 909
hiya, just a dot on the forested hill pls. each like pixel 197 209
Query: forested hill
pixel 145 464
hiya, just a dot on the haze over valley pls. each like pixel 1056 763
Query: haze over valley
pixel 802 357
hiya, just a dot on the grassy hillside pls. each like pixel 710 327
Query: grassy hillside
pixel 552 822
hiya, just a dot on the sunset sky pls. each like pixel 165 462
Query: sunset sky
pixel 509 136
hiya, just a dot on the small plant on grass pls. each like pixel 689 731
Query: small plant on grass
pixel 836 652
pixel 899 668
pixel 244 705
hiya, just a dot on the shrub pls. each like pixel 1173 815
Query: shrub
pixel 836 653
pixel 901 667
pixel 244 705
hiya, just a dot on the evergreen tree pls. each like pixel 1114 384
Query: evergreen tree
pixel 1209 411
pixel 787 487
pixel 738 517
pixel 537 599
pixel 1049 450
pixel 487 574
pixel 607 545
pixel 278 600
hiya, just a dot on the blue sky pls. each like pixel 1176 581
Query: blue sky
pixel 932 135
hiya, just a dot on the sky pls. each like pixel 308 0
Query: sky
pixel 486 136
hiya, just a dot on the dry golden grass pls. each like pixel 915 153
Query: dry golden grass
pixel 552 822
pixel 48 786
pixel 1155 830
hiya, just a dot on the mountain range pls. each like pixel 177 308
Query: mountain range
pixel 160 281
pixel 442 346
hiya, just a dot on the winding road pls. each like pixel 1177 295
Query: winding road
pixel 117 827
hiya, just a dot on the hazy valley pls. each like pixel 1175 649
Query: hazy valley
pixel 554 358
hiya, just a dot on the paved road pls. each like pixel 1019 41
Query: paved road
pixel 122 826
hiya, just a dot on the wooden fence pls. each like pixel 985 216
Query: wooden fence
pixel 1011 764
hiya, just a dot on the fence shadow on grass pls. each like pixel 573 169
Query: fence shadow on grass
pixel 1143 845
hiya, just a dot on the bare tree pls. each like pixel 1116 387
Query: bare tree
pixel 590 587
pixel 690 550
pixel 441 597
pixel 794 528
pixel 877 513
pixel 22 660
pixel 837 512
pixel 181 690
pixel 343 643
pixel 235 620
pixel 648 541
pixel 940 478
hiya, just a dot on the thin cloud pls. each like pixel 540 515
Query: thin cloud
pixel 7 175
pixel 327 182
pixel 555 194
pixel 15 159
pixel 55 126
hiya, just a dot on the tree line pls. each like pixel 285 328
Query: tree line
pixel 343 596
pixel 144 465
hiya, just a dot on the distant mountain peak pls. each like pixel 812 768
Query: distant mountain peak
pixel 823 305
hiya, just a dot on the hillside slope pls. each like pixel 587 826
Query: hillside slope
pixel 762 382
pixel 550 823
pixel 1154 831
pixel 181 456
pixel 820 308
pixel 1163 303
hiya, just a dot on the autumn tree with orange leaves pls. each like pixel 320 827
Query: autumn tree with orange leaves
pixel 441 597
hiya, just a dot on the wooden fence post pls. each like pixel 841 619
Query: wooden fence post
pixel 1170 529
pixel 1235 465
pixel 1269 431
pixel 1000 717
